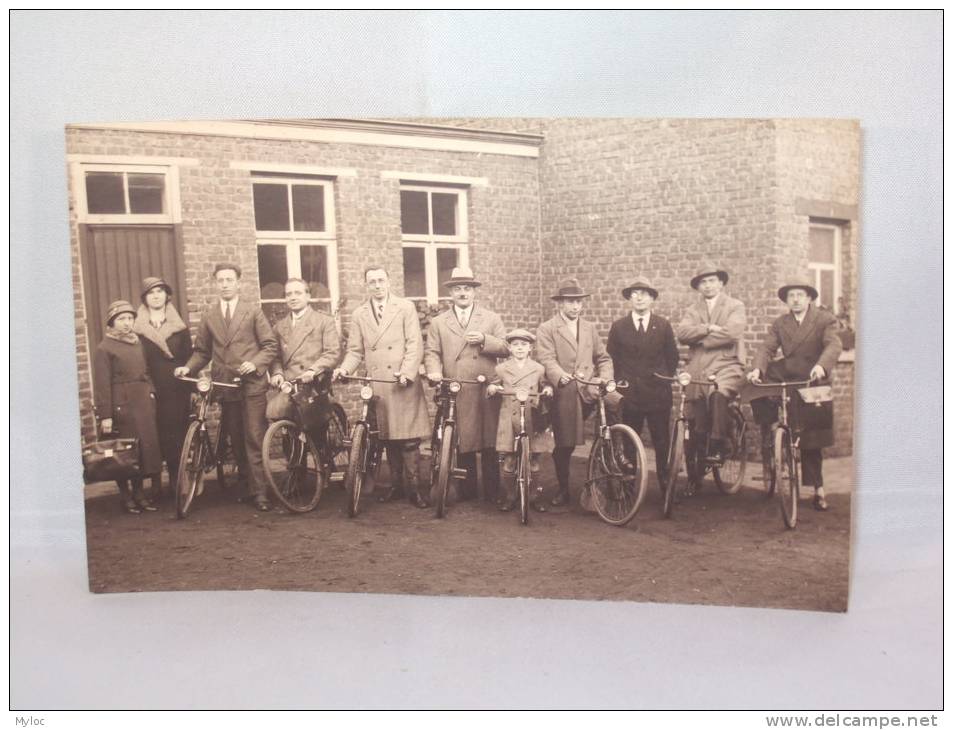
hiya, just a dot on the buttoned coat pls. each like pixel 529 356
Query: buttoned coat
pixel 559 352
pixel 715 353
pixel 311 344
pixel 636 357
pixel 248 338
pixel 813 342
pixel 393 345
pixel 448 352
pixel 510 376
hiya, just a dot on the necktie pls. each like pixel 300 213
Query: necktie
pixel 228 314
pixel 380 312
pixel 641 326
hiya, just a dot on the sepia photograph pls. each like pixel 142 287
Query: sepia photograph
pixel 563 357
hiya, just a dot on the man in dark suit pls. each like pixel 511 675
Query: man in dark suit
pixel 641 344
pixel 238 340
pixel 808 340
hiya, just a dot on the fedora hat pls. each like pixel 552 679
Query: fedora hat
pixel 461 275
pixel 783 291
pixel 120 306
pixel 640 283
pixel 569 289
pixel 520 334
pixel 151 282
pixel 709 269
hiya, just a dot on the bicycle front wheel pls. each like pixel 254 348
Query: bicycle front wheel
pixel 293 469
pixel 785 467
pixel 335 450
pixel 523 475
pixel 444 470
pixel 191 469
pixel 356 465
pixel 617 475
pixel 731 473
pixel 676 455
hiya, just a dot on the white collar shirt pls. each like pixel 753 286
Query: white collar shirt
pixel 228 308
pixel 644 318
pixel 463 315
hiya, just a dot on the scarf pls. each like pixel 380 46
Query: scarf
pixel 158 335
pixel 129 337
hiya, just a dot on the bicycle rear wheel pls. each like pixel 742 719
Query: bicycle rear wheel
pixel 444 471
pixel 226 463
pixel 785 466
pixel 356 465
pixel 731 473
pixel 191 469
pixel 293 469
pixel 617 475
pixel 334 449
pixel 523 475
pixel 676 456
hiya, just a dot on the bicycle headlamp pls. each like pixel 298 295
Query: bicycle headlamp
pixel 367 392
pixel 610 386
pixel 454 386
pixel 684 379
pixel 522 395
pixel 204 385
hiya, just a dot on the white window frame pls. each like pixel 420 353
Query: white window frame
pixel 430 243
pixel 816 267
pixel 293 240
pixel 172 203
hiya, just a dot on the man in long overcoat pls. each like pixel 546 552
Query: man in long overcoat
pixel 385 336
pixel 464 342
pixel 235 335
pixel 568 345
pixel 713 328
pixel 807 337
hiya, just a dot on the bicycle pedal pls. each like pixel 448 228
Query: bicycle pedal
pixel 336 476
pixel 346 442
pixel 459 473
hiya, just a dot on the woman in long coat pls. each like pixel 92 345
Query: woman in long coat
pixel 167 345
pixel 125 399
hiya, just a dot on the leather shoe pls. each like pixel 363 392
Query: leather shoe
pixel 560 500
pixel 507 505
pixel 129 506
pixel 262 505
pixel 820 504
pixel 418 500
pixel 391 494
pixel 538 505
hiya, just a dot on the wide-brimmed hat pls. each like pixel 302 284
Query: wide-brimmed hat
pixel 783 291
pixel 151 282
pixel 120 306
pixel 569 289
pixel 461 275
pixel 709 269
pixel 520 334
pixel 640 283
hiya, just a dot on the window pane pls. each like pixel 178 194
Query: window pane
pixel 444 214
pixel 826 290
pixel 104 193
pixel 413 212
pixel 415 281
pixel 271 207
pixel 272 271
pixel 446 260
pixel 822 245
pixel 146 193
pixel 307 202
pixel 314 270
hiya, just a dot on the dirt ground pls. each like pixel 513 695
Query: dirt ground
pixel 730 550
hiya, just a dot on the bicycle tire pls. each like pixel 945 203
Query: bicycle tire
pixel 785 467
pixel 335 453
pixel 444 471
pixel 191 469
pixel 676 458
pixel 618 491
pixel 354 477
pixel 224 449
pixel 523 476
pixel 730 475
pixel 293 469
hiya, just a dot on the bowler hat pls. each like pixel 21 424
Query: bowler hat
pixel 120 306
pixel 461 275
pixel 709 269
pixel 151 282
pixel 640 283
pixel 569 289
pixel 520 334
pixel 783 291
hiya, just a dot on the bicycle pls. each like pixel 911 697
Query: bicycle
pixel 300 461
pixel 444 440
pixel 364 444
pixel 686 448
pixel 198 455
pixel 785 455
pixel 615 483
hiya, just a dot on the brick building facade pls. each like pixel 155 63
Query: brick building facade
pixel 525 202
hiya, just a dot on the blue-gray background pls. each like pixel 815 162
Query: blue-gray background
pixel 330 650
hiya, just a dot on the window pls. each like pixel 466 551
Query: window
pixel 120 193
pixel 433 224
pixel 824 263
pixel 294 230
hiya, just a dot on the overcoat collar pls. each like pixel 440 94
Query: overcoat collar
pixel 477 317
pixel 795 333
pixel 217 320
pixel 390 312
pixel 715 311
pixel 520 374
pixel 566 333
pixel 294 336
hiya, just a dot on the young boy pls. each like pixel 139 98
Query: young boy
pixel 519 371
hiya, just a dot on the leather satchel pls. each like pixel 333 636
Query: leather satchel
pixel 111 460
pixel 817 394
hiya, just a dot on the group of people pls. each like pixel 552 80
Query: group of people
pixel 144 351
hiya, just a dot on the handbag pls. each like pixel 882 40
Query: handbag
pixel 111 460
pixel 815 408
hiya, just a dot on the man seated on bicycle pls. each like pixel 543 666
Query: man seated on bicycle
pixel 807 337
pixel 519 371
pixel 308 345
pixel 713 328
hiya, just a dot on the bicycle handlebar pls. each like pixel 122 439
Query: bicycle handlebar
pixel 367 379
pixel 597 384
pixel 792 383
pixel 674 379
pixel 236 382
pixel 480 381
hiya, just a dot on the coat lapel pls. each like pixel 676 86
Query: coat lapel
pixel 718 310
pixel 390 312
pixel 798 333
pixel 295 336
pixel 519 375
pixel 459 331
pixel 563 329
pixel 241 311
